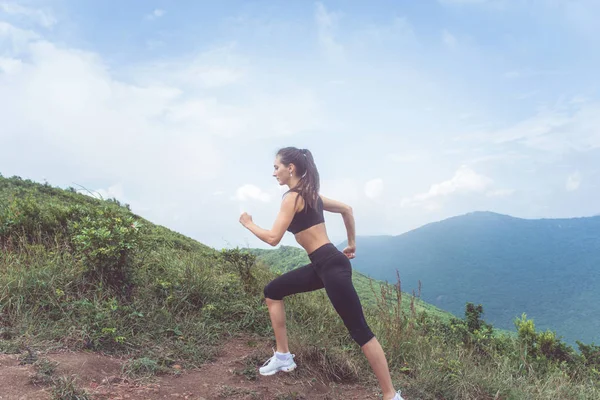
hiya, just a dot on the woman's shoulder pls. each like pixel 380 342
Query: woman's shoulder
pixel 295 198
pixel 292 194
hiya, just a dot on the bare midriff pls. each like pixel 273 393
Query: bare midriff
pixel 313 238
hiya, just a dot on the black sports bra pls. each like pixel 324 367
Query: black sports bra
pixel 307 217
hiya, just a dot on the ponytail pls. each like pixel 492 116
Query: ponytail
pixel 308 186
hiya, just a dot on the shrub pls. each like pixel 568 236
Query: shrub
pixel 105 241
pixel 243 263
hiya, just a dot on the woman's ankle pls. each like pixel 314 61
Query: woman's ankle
pixel 389 396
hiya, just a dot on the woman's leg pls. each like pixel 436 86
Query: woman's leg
pixel 337 278
pixel 303 279
pixel 277 314
pixel 374 353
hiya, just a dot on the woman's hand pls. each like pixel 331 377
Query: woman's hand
pixel 245 219
pixel 349 251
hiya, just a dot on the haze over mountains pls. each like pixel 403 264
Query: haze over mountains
pixel 546 268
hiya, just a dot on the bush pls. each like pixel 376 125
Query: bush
pixel 543 347
pixel 243 264
pixel 105 242
pixel 590 353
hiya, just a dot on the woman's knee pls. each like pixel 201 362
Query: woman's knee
pixel 362 335
pixel 271 292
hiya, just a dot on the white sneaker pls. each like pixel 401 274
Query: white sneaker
pixel 274 364
pixel 398 397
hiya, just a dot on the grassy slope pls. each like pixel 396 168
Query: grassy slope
pixel 178 299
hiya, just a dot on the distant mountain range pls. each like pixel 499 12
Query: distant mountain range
pixel 546 268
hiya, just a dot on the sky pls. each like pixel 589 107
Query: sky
pixel 413 111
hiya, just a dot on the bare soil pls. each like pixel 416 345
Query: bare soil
pixel 232 375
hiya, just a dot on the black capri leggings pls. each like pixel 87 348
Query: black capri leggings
pixel 329 269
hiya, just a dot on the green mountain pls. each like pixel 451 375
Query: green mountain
pixel 546 268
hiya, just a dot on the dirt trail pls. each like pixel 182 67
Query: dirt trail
pixel 232 375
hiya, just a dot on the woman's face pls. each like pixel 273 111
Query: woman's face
pixel 280 172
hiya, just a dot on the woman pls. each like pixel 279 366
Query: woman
pixel 301 213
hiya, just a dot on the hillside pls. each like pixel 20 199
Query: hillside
pixel 98 302
pixel 547 268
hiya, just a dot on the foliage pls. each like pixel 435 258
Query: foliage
pixel 105 243
pixel 542 345
pixel 243 264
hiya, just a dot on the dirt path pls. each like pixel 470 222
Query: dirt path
pixel 232 375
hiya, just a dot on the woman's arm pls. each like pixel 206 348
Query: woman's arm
pixel 348 216
pixel 282 222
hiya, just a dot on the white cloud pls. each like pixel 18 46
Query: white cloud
pixel 581 14
pixel 559 130
pixel 512 74
pixel 9 65
pixel 449 39
pixel 65 102
pixel 573 181
pixel 531 73
pixel 251 192
pixel 399 31
pixel 406 157
pixel 265 117
pixel 39 16
pixel 526 95
pixel 543 124
pixel 157 13
pixel 326 26
pixel 265 111
pixel 215 76
pixel 578 100
pixel 374 188
pixel 346 190
pixel 500 193
pixel 500 157
pixel 465 180
pixel 113 191
pixel 18 39
pixel 213 68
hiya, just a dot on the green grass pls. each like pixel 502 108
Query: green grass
pixel 82 273
pixel 143 367
pixel 65 388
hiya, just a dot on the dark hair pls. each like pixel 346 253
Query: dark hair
pixel 308 186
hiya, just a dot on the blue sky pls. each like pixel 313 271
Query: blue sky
pixel 414 111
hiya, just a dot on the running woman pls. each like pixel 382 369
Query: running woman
pixel 301 213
